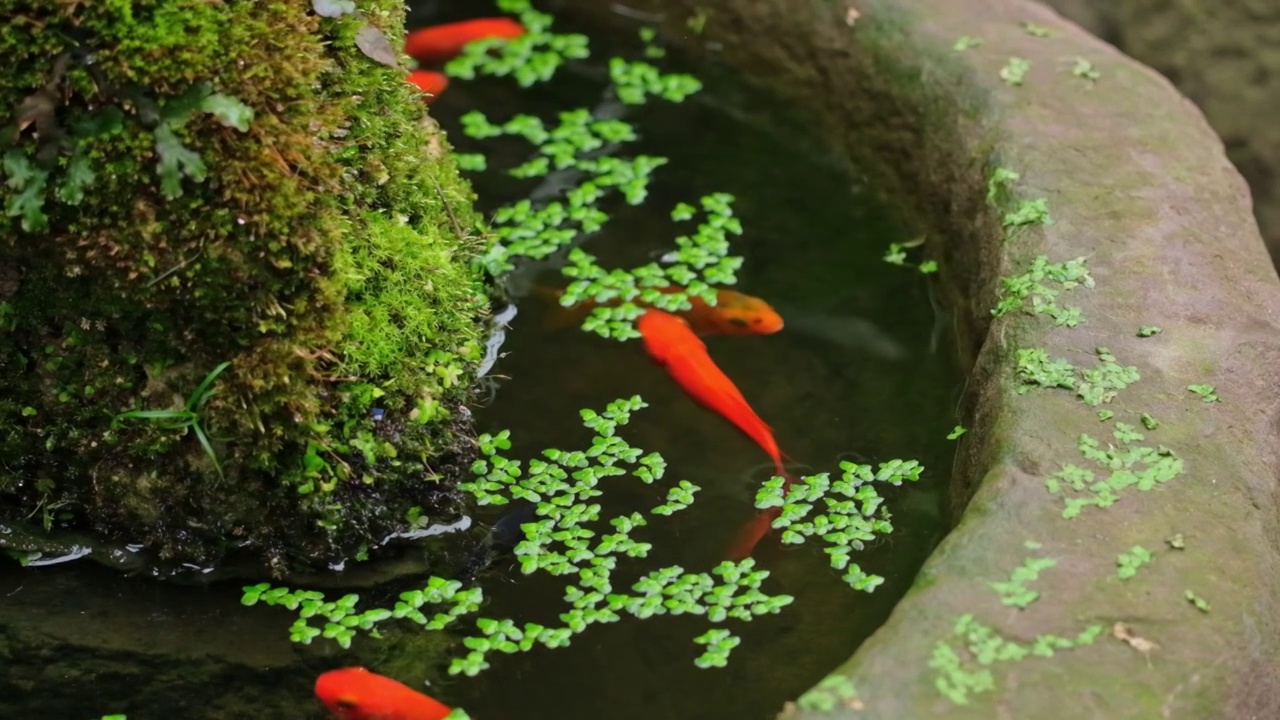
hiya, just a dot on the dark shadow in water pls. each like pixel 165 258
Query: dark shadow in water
pixel 856 374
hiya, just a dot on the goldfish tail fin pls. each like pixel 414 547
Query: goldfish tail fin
pixel 750 534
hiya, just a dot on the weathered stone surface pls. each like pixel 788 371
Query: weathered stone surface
pixel 1225 55
pixel 1138 183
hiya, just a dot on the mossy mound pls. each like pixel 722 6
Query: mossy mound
pixel 191 184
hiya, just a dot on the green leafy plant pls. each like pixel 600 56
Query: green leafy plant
pixel 187 418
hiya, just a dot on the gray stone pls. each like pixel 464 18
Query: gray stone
pixel 1137 182
pixel 1225 55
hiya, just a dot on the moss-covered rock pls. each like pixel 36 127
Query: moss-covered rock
pixel 193 186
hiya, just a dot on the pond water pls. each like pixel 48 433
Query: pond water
pixel 860 372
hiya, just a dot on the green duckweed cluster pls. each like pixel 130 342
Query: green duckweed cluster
pixel 581 143
pixel 177 216
pixel 571 538
pixel 854 515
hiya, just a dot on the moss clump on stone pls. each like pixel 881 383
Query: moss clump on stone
pixel 191 183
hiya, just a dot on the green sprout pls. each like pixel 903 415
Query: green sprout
pixel 188 417
pixel 1201 604
pixel 1129 562
pixel 964 42
pixel 1148 331
pixel 1176 542
pixel 956 432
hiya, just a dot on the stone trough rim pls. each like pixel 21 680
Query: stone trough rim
pixel 1167 230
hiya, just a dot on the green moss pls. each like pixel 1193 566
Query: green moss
pixel 324 251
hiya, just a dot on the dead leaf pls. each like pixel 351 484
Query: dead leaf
pixel 374 44
pixel 1125 633
pixel 851 16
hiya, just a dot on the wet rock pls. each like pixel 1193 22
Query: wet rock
pixel 1139 185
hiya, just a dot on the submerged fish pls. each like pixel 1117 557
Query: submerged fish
pixel 441 43
pixel 430 82
pixel 671 342
pixel 734 313
pixel 354 693
pixel 502 538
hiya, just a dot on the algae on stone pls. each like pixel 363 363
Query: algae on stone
pixel 191 184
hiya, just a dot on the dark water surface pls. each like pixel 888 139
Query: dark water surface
pixel 858 373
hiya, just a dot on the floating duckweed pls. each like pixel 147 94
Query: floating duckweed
pixel 530 58
pixel 854 515
pixel 570 537
pixel 580 143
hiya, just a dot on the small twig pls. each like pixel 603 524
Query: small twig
pixel 175 268
pixel 457 227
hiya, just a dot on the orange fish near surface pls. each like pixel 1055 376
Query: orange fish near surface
pixel 734 313
pixel 441 43
pixel 430 82
pixel 671 342
pixel 354 693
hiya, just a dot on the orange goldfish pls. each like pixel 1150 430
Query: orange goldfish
pixel 671 342
pixel 354 693
pixel 734 313
pixel 440 43
pixel 430 82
